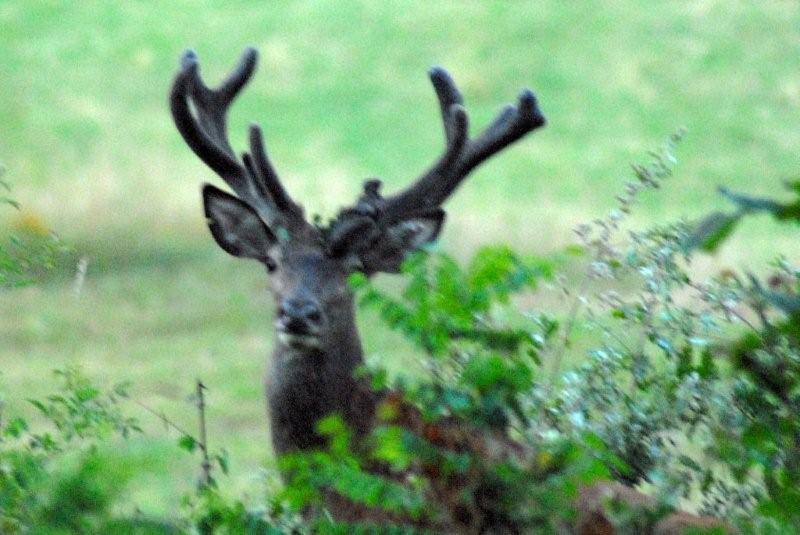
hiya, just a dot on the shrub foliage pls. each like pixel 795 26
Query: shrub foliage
pixel 637 371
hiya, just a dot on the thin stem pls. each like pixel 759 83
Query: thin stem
pixel 732 311
pixel 558 356
pixel 161 416
pixel 572 317
pixel 617 338
pixel 205 478
pixel 2 407
pixel 745 321
pixel 202 441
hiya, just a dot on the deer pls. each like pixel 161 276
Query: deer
pixel 317 347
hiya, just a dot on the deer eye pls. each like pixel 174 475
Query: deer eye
pixel 271 265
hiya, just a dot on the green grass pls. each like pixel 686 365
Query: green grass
pixel 342 94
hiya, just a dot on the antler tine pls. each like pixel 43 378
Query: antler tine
pixel 206 134
pixel 448 95
pixel 511 124
pixel 454 119
pixel 267 175
pixel 203 126
pixel 462 155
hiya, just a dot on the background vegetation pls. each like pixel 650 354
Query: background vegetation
pixel 342 94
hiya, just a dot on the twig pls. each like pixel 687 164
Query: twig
pixel 558 356
pixel 205 478
pixel 2 404
pixel 733 311
pixel 201 441
pixel 617 338
pixel 572 317
pixel 747 322
pixel 166 421
pixel 80 275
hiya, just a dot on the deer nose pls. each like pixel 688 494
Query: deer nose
pixel 300 315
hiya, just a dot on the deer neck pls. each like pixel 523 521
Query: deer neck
pixel 304 385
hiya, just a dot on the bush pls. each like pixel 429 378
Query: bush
pixel 691 387
pixel 688 387
pixel 27 253
pixel 53 479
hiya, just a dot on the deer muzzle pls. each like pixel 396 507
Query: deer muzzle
pixel 299 323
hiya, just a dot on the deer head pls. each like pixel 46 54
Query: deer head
pixel 309 265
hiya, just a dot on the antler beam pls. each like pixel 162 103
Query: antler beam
pixel 200 114
pixel 461 155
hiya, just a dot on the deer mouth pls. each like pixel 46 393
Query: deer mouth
pixel 298 340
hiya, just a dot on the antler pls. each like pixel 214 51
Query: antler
pixel 203 125
pixel 461 155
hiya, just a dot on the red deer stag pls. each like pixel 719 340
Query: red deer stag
pixel 317 346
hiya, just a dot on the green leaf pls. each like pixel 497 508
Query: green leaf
pixel 575 250
pixel 188 443
pixel 391 447
pixel 484 372
pixel 595 471
pixel 44 409
pixel 758 436
pixel 684 360
pixel 595 442
pixel 788 303
pixel 9 201
pixel 712 231
pixel 121 389
pixel 358 281
pixel 87 393
pixel 688 462
pixel 16 427
pixel 331 425
pixel 707 368
pixel 223 460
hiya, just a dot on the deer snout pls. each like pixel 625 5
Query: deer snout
pixel 299 316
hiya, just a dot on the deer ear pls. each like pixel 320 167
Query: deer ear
pixel 235 226
pixel 402 238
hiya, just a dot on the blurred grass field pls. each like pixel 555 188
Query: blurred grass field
pixel 342 94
